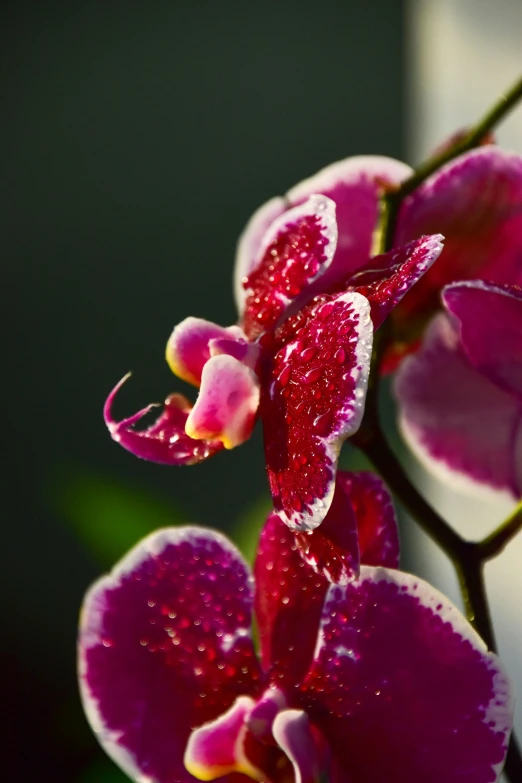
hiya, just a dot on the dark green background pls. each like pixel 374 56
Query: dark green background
pixel 138 137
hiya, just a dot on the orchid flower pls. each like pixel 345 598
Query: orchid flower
pixel 380 679
pixel 300 356
pixel 475 201
pixel 460 396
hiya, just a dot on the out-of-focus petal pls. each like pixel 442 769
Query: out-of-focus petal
pixel 355 185
pixel 377 530
pixel 463 427
pixel 165 441
pixel 188 347
pixel 165 646
pixel 227 403
pixel 490 324
pixel 387 278
pixel 288 602
pixel 294 735
pixel 313 399
pixel 218 748
pixel 476 202
pixel 297 248
pixel 403 688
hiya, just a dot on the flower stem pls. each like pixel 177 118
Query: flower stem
pixel 392 199
pixel 467 557
pixel 493 544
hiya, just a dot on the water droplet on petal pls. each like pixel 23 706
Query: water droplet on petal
pixel 308 354
pixel 284 375
pixel 312 375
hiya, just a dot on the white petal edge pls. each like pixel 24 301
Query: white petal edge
pixel 333 444
pixel 499 716
pixel 90 617
pixel 248 245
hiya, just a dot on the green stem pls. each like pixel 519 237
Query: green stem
pixel 493 544
pixel 393 199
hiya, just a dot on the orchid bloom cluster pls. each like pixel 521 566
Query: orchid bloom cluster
pixel 364 672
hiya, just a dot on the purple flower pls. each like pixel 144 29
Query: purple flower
pixel 299 358
pixel 461 395
pixel 380 679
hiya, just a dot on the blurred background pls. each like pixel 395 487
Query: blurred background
pixel 138 139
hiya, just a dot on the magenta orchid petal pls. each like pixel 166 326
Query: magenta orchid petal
pixel 161 652
pixel 360 527
pixel 332 549
pixel 297 248
pixel 245 352
pixel 355 185
pixel 249 243
pixel 377 530
pixel 490 324
pixel 227 403
pixel 261 717
pixel 387 278
pixel 476 202
pixel 188 347
pixel 463 427
pixel 287 590
pixel 293 733
pixel 165 441
pixel 313 399
pixel 218 748
pixel 396 662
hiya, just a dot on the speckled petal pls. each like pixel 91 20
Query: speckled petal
pixel 227 403
pixel 387 278
pixel 490 325
pixel 293 733
pixel 464 428
pixel 332 549
pixel 287 589
pixel 476 202
pixel 360 527
pixel 297 248
pixel 249 243
pixel 188 348
pixel 355 185
pixel 165 441
pixel 165 646
pixel 403 688
pixel 377 530
pixel 313 399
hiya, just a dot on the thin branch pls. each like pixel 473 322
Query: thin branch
pixel 393 199
pixel 493 544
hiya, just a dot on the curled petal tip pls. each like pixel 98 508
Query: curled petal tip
pixel 107 408
pixel 165 441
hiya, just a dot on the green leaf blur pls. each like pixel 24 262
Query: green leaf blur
pixel 107 517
